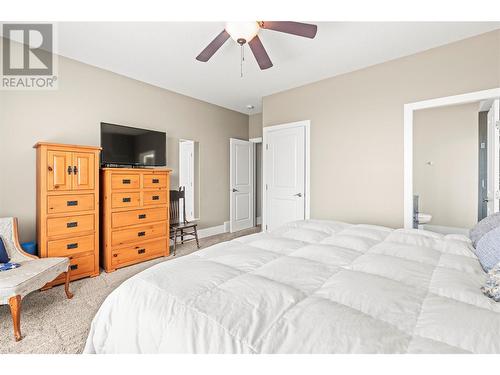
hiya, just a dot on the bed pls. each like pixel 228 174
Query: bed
pixel 308 287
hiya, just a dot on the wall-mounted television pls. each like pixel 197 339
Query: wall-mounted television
pixel 127 146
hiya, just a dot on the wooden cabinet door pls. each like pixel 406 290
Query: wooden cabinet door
pixel 83 170
pixel 59 174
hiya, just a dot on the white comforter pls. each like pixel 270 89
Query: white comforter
pixel 309 287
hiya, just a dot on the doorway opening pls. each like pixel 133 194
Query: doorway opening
pixel 189 177
pixel 413 217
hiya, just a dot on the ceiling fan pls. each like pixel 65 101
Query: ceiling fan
pixel 246 32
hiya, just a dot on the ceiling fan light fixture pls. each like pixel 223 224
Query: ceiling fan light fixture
pixel 242 32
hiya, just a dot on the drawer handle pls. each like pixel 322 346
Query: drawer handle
pixel 72 246
pixel 156 197
pixel 141 251
pixel 70 169
pixel 141 234
pixel 126 181
pixel 73 224
pixel 142 216
pixel 126 200
pixel 156 181
pixel 73 267
pixel 72 203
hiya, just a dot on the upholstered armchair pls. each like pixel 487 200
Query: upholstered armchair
pixel 33 273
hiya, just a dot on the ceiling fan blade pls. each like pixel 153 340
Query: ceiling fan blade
pixel 213 47
pixel 260 53
pixel 306 30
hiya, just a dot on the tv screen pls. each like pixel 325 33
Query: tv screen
pixel 123 145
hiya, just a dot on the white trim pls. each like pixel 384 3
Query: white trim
pixel 212 231
pixel 255 140
pixel 408 137
pixel 259 220
pixel 307 195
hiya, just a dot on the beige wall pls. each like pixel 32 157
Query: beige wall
pixel 255 125
pixel 72 114
pixel 357 124
pixel 448 138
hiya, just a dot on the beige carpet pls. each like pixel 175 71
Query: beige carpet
pixel 50 323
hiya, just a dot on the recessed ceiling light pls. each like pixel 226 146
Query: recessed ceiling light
pixel 250 107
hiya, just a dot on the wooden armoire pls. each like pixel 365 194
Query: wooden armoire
pixel 67 190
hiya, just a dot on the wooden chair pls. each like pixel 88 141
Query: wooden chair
pixel 33 273
pixel 180 228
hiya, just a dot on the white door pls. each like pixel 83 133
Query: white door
pixel 241 181
pixel 186 175
pixel 285 175
pixel 493 158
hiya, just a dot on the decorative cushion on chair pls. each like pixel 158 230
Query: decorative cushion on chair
pixel 4 257
pixel 8 266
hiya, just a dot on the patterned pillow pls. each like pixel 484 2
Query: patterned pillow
pixel 492 287
pixel 483 227
pixel 488 249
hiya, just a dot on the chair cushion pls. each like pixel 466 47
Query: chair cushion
pixel 32 275
pixel 4 257
pixel 483 227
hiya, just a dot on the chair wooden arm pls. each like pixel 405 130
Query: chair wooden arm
pixel 15 235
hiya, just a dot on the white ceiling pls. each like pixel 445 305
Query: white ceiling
pixel 163 54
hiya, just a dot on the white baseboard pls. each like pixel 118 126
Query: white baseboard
pixel 212 231
pixel 218 229
pixel 258 221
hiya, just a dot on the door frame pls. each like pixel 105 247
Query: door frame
pixel 252 192
pixel 408 109
pixel 306 124
pixel 255 142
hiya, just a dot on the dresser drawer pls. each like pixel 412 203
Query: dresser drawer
pixel 70 225
pixel 71 246
pixel 121 200
pixel 70 203
pixel 138 234
pixel 138 253
pixel 82 265
pixel 125 181
pixel 152 197
pixel 136 217
pixel 155 181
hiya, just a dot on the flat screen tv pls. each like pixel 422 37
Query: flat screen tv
pixel 126 146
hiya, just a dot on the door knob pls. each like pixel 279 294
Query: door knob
pixel 298 195
pixel 235 190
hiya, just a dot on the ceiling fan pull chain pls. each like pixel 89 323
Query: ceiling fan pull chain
pixel 241 61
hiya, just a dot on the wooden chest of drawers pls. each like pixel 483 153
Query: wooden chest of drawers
pixel 134 222
pixel 68 206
